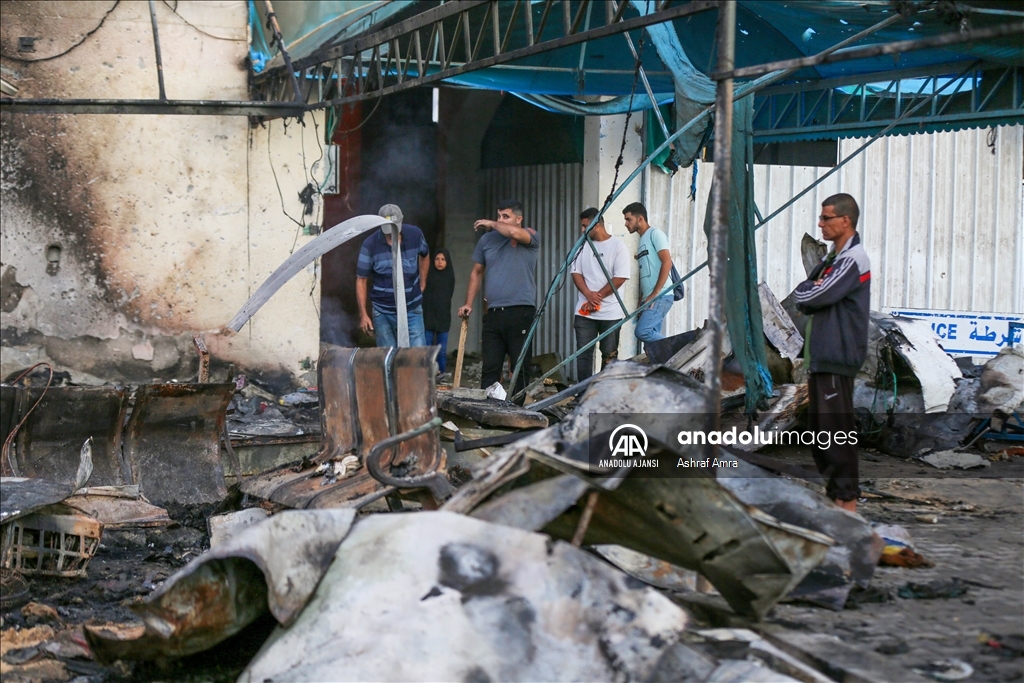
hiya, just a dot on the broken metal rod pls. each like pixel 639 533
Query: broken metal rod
pixel 720 212
pixel 584 523
pixel 156 47
pixel 647 87
pixel 574 390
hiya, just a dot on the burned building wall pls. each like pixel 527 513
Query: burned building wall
pixel 123 235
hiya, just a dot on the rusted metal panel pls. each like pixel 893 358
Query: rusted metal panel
pixel 50 441
pixel 337 402
pixel 173 442
pixel 366 397
pixel 413 374
pixel 374 397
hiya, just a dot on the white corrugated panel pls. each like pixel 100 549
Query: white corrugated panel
pixel 942 219
pixel 552 197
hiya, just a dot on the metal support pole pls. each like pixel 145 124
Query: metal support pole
pixel 720 210
pixel 276 28
pixel 398 280
pixel 647 87
pixel 156 47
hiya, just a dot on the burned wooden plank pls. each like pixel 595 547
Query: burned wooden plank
pixel 491 412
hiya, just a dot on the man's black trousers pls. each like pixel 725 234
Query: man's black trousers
pixel 831 416
pixel 504 334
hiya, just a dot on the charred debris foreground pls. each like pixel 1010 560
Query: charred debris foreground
pixel 523 560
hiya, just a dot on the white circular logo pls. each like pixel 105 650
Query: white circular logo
pixel 628 445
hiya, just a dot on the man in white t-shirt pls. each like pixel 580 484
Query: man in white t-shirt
pixel 597 308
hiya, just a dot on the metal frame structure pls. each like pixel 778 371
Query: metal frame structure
pixel 427 48
pixel 397 58
pixel 793 111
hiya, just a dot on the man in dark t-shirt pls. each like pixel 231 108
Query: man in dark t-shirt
pixel 375 261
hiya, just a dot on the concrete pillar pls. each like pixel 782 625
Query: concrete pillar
pixel 602 141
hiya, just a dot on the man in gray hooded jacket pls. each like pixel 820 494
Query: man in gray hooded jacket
pixel 837 295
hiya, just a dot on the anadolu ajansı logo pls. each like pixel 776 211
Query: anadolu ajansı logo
pixel 628 441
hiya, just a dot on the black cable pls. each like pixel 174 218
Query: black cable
pixel 280 194
pixel 175 10
pixel 367 118
pixel 46 59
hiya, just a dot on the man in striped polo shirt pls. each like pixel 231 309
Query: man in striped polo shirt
pixel 375 261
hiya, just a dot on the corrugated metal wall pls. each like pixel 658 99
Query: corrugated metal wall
pixel 941 218
pixel 552 196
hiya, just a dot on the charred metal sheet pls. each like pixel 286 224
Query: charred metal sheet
pixel 173 442
pixel 649 569
pixel 475 602
pixel 20 496
pixel 413 374
pixel 752 558
pixel 433 480
pixel 50 441
pixel 534 506
pixel 853 558
pixel 118 509
pixel 273 565
pixel 375 395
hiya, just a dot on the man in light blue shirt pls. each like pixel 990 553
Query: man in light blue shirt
pixel 655 262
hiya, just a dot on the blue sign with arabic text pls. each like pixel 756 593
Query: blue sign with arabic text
pixel 970 334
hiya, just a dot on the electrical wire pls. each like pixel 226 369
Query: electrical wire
pixel 10 437
pixel 270 160
pixel 46 59
pixel 367 118
pixel 175 10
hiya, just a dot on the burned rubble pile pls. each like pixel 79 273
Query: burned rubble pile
pixel 217 531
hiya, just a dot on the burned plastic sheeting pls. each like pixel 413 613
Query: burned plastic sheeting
pixel 437 596
pixel 850 561
pixel 20 496
pixel 273 565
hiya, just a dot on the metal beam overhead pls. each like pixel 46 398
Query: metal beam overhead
pixel 423 49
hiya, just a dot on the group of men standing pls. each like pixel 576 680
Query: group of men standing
pixel 836 296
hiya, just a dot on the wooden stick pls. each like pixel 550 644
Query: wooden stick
pixel 461 354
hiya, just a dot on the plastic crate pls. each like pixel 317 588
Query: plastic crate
pixel 49 544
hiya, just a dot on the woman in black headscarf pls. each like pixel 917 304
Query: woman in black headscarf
pixel 437 303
